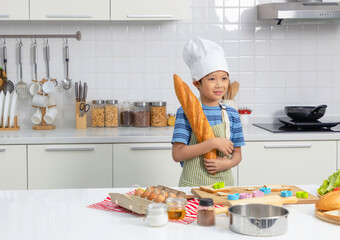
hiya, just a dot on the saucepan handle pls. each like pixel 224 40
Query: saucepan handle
pixel 317 109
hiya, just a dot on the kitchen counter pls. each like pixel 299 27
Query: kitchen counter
pixel 62 214
pixel 66 135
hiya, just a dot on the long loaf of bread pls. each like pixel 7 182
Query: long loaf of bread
pixel 194 112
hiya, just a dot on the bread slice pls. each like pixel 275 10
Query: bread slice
pixel 278 187
pixel 329 202
pixel 210 189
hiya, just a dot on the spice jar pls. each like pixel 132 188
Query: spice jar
pixel 98 114
pixel 158 114
pixel 206 212
pixel 142 114
pixel 176 208
pixel 111 113
pixel 156 215
pixel 171 119
pixel 126 114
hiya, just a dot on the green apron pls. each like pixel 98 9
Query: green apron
pixel 194 172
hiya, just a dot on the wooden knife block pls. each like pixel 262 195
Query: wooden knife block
pixel 80 121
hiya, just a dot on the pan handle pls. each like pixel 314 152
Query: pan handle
pixel 316 109
pixel 222 210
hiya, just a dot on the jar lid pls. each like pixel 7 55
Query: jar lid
pixel 171 114
pixel 142 104
pixel 157 208
pixel 98 101
pixel 175 201
pixel 111 101
pixel 206 202
pixel 158 104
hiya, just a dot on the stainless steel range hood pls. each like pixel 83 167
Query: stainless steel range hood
pixel 300 12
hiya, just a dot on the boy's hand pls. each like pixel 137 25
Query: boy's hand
pixel 223 145
pixel 217 165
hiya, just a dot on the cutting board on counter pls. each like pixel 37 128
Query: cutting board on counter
pixel 224 200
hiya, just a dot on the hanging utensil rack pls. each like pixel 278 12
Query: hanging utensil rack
pixel 76 36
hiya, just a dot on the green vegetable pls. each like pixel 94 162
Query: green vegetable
pixel 328 185
pixel 218 185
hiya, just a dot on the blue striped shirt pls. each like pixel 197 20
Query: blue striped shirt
pixel 182 130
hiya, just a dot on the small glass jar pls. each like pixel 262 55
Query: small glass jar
pixel 98 113
pixel 111 113
pixel 206 212
pixel 158 114
pixel 176 208
pixel 126 114
pixel 156 215
pixel 171 119
pixel 141 114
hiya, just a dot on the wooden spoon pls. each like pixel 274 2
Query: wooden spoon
pixel 234 89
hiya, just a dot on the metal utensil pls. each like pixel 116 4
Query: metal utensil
pixel 21 87
pixel 35 59
pixel 76 89
pixel 80 92
pixel 305 113
pixel 85 92
pixel 8 85
pixel 67 82
pixel 47 58
pixel 83 108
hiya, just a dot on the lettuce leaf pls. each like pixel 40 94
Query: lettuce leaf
pixel 328 185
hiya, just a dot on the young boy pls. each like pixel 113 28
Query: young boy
pixel 210 76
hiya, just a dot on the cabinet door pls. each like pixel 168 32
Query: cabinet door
pixel 70 10
pixel 287 162
pixel 70 166
pixel 149 9
pixel 144 164
pixel 13 167
pixel 14 10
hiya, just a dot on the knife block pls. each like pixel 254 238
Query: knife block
pixel 80 121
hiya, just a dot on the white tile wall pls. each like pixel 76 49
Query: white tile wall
pixel 275 65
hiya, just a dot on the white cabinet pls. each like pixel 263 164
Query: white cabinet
pixel 69 10
pixel 70 166
pixel 144 164
pixel 13 171
pixel 14 10
pixel 287 162
pixel 149 9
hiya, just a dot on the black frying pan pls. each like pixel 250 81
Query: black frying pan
pixel 305 113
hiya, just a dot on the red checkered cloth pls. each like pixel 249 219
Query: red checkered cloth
pixel 190 216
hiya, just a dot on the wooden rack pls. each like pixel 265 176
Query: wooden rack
pixel 14 128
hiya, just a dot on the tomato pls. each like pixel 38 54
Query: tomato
pixel 336 189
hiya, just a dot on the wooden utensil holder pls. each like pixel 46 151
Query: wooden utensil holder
pixel 8 128
pixel 81 122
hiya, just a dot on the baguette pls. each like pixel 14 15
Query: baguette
pixel 210 189
pixel 194 112
pixel 330 201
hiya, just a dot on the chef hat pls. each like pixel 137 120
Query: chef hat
pixel 203 57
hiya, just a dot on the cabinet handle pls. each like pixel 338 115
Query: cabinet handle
pixel 2 149
pixel 146 147
pixel 150 16
pixel 289 145
pixel 64 149
pixel 4 15
pixel 67 16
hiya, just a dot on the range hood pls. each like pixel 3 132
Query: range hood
pixel 300 12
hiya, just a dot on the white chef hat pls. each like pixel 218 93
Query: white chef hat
pixel 203 57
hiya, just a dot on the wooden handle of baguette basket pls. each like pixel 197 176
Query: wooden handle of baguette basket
pixel 194 112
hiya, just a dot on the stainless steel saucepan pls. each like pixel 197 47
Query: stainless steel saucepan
pixel 261 220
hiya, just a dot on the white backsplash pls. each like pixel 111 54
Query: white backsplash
pixel 275 65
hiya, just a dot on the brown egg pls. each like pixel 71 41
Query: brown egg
pixel 153 195
pixel 146 193
pixel 172 195
pixel 160 198
pixel 151 189
pixel 166 194
pixel 139 192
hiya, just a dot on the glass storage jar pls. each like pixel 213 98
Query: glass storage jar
pixel 171 119
pixel 141 114
pixel 156 215
pixel 126 114
pixel 111 113
pixel 98 115
pixel 206 212
pixel 176 208
pixel 158 114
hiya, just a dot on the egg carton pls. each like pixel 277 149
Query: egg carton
pixel 137 204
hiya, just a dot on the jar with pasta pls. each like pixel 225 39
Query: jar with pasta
pixel 98 113
pixel 111 113
pixel 158 114
pixel 142 114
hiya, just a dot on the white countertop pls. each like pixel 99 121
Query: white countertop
pixel 62 214
pixel 64 135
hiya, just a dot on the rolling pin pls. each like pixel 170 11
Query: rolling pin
pixel 272 200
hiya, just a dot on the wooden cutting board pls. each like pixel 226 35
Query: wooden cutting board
pixel 224 200
pixel 326 217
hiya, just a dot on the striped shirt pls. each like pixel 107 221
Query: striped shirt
pixel 182 130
